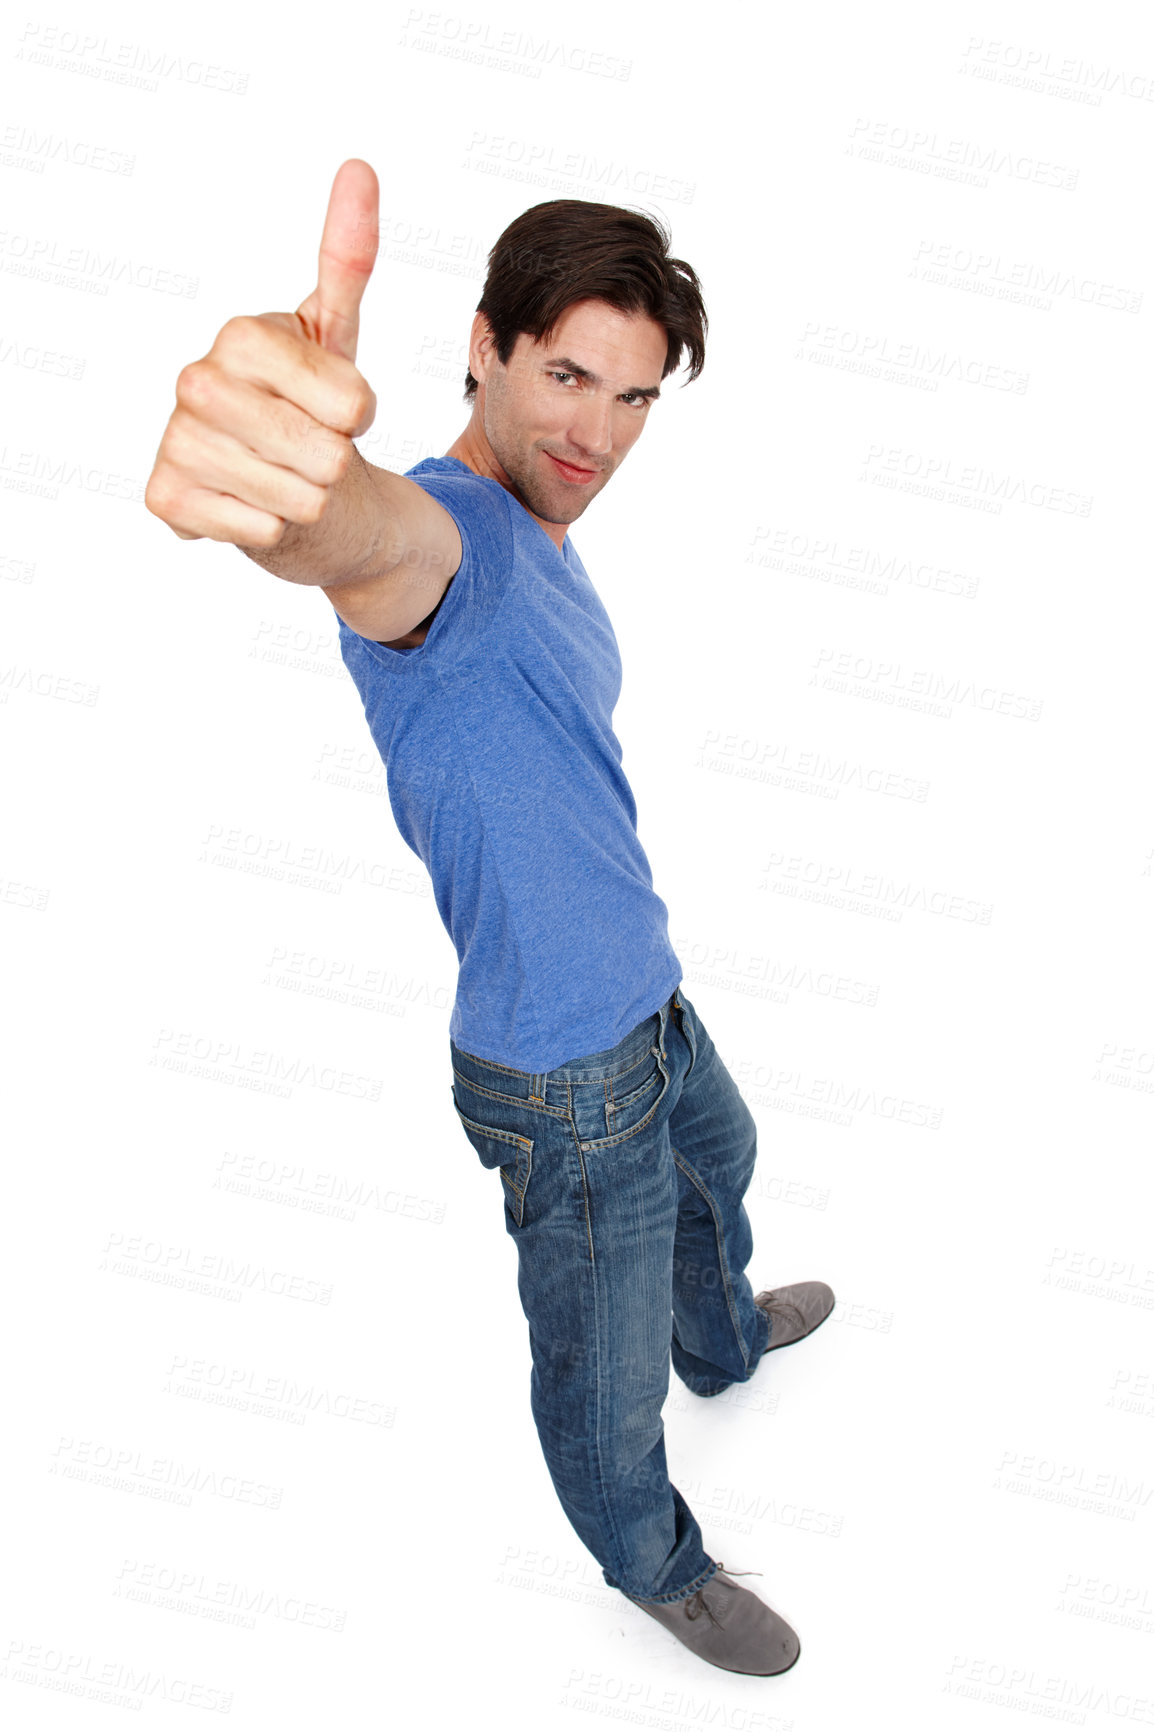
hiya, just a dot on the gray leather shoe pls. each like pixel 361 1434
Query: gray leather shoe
pixel 795 1311
pixel 729 1626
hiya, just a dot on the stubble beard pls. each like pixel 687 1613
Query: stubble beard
pixel 551 503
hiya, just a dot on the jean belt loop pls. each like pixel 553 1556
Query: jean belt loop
pixel 537 1087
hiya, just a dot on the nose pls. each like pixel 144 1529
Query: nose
pixel 591 428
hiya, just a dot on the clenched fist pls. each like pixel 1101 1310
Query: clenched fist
pixel 264 424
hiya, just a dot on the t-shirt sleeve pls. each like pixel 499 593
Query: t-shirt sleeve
pixel 480 509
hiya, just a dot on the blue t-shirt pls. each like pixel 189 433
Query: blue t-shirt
pixel 505 777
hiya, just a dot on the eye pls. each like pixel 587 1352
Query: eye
pixel 560 376
pixel 635 399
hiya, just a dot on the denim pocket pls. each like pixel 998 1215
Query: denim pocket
pixel 510 1154
pixel 632 1098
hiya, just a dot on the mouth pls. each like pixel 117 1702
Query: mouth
pixel 570 472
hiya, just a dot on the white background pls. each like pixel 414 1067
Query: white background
pixel 268 1443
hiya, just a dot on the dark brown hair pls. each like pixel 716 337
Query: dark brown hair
pixel 570 250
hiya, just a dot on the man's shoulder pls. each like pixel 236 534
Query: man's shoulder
pixel 462 491
pixel 449 469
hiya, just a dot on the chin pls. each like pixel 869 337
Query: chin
pixel 550 512
pixel 545 506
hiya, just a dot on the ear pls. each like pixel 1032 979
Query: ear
pixel 482 348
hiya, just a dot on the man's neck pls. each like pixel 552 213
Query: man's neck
pixel 474 451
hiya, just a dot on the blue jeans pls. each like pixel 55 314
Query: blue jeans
pixel 622 1176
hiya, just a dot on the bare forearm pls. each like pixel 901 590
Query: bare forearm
pixel 360 535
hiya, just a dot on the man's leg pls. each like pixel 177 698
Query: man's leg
pixel 591 1201
pixel 719 1334
pixel 594 1200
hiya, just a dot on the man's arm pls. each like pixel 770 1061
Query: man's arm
pixel 259 449
pixel 384 552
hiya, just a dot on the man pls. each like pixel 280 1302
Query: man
pixel 489 672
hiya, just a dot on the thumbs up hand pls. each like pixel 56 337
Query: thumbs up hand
pixel 264 423
pixel 331 314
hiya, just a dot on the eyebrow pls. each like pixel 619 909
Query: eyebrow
pixel 562 363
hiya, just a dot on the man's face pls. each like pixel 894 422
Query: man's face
pixel 562 415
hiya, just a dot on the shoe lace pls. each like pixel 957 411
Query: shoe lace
pixel 697 1603
pixel 783 1308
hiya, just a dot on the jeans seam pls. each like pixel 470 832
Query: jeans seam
pixel 584 1183
pixel 608 1519
pixel 722 1260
